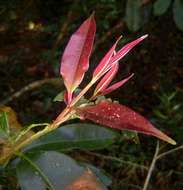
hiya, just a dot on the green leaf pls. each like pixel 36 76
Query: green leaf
pixel 54 171
pixel 75 136
pixel 59 169
pixel 134 15
pixel 161 6
pixel 4 125
pixel 59 97
pixel 178 13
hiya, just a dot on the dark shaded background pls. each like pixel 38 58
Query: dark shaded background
pixel 33 35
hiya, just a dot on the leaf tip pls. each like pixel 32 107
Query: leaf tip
pixel 119 38
pixel 92 16
pixel 144 36
pixel 131 75
pixel 171 141
pixel 166 138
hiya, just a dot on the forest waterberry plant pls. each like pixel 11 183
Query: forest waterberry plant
pixel 74 64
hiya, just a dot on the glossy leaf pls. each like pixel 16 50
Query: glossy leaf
pixel 120 117
pixel 116 85
pixel 53 170
pixel 161 6
pixel 78 135
pixel 178 13
pixel 60 170
pixel 106 80
pixel 75 59
pixel 105 61
pixel 125 49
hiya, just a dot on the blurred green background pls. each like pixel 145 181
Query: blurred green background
pixel 33 36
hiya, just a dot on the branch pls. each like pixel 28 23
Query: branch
pixel 131 185
pixel 117 160
pixel 169 152
pixel 151 167
pixel 32 86
pixel 155 158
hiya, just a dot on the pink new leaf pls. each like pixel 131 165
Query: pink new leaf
pixel 75 59
pixel 125 49
pixel 116 85
pixel 105 61
pixel 120 117
pixel 106 80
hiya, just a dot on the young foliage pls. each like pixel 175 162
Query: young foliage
pixel 124 50
pixel 116 85
pixel 106 80
pixel 106 113
pixel 75 59
pixel 105 62
pixel 120 117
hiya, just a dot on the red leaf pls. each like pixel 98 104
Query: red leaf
pixel 121 117
pixel 116 85
pixel 106 80
pixel 124 50
pixel 75 59
pixel 105 60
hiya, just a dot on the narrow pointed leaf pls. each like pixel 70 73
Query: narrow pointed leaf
pixel 121 53
pixel 105 60
pixel 106 80
pixel 121 117
pixel 75 60
pixel 116 85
